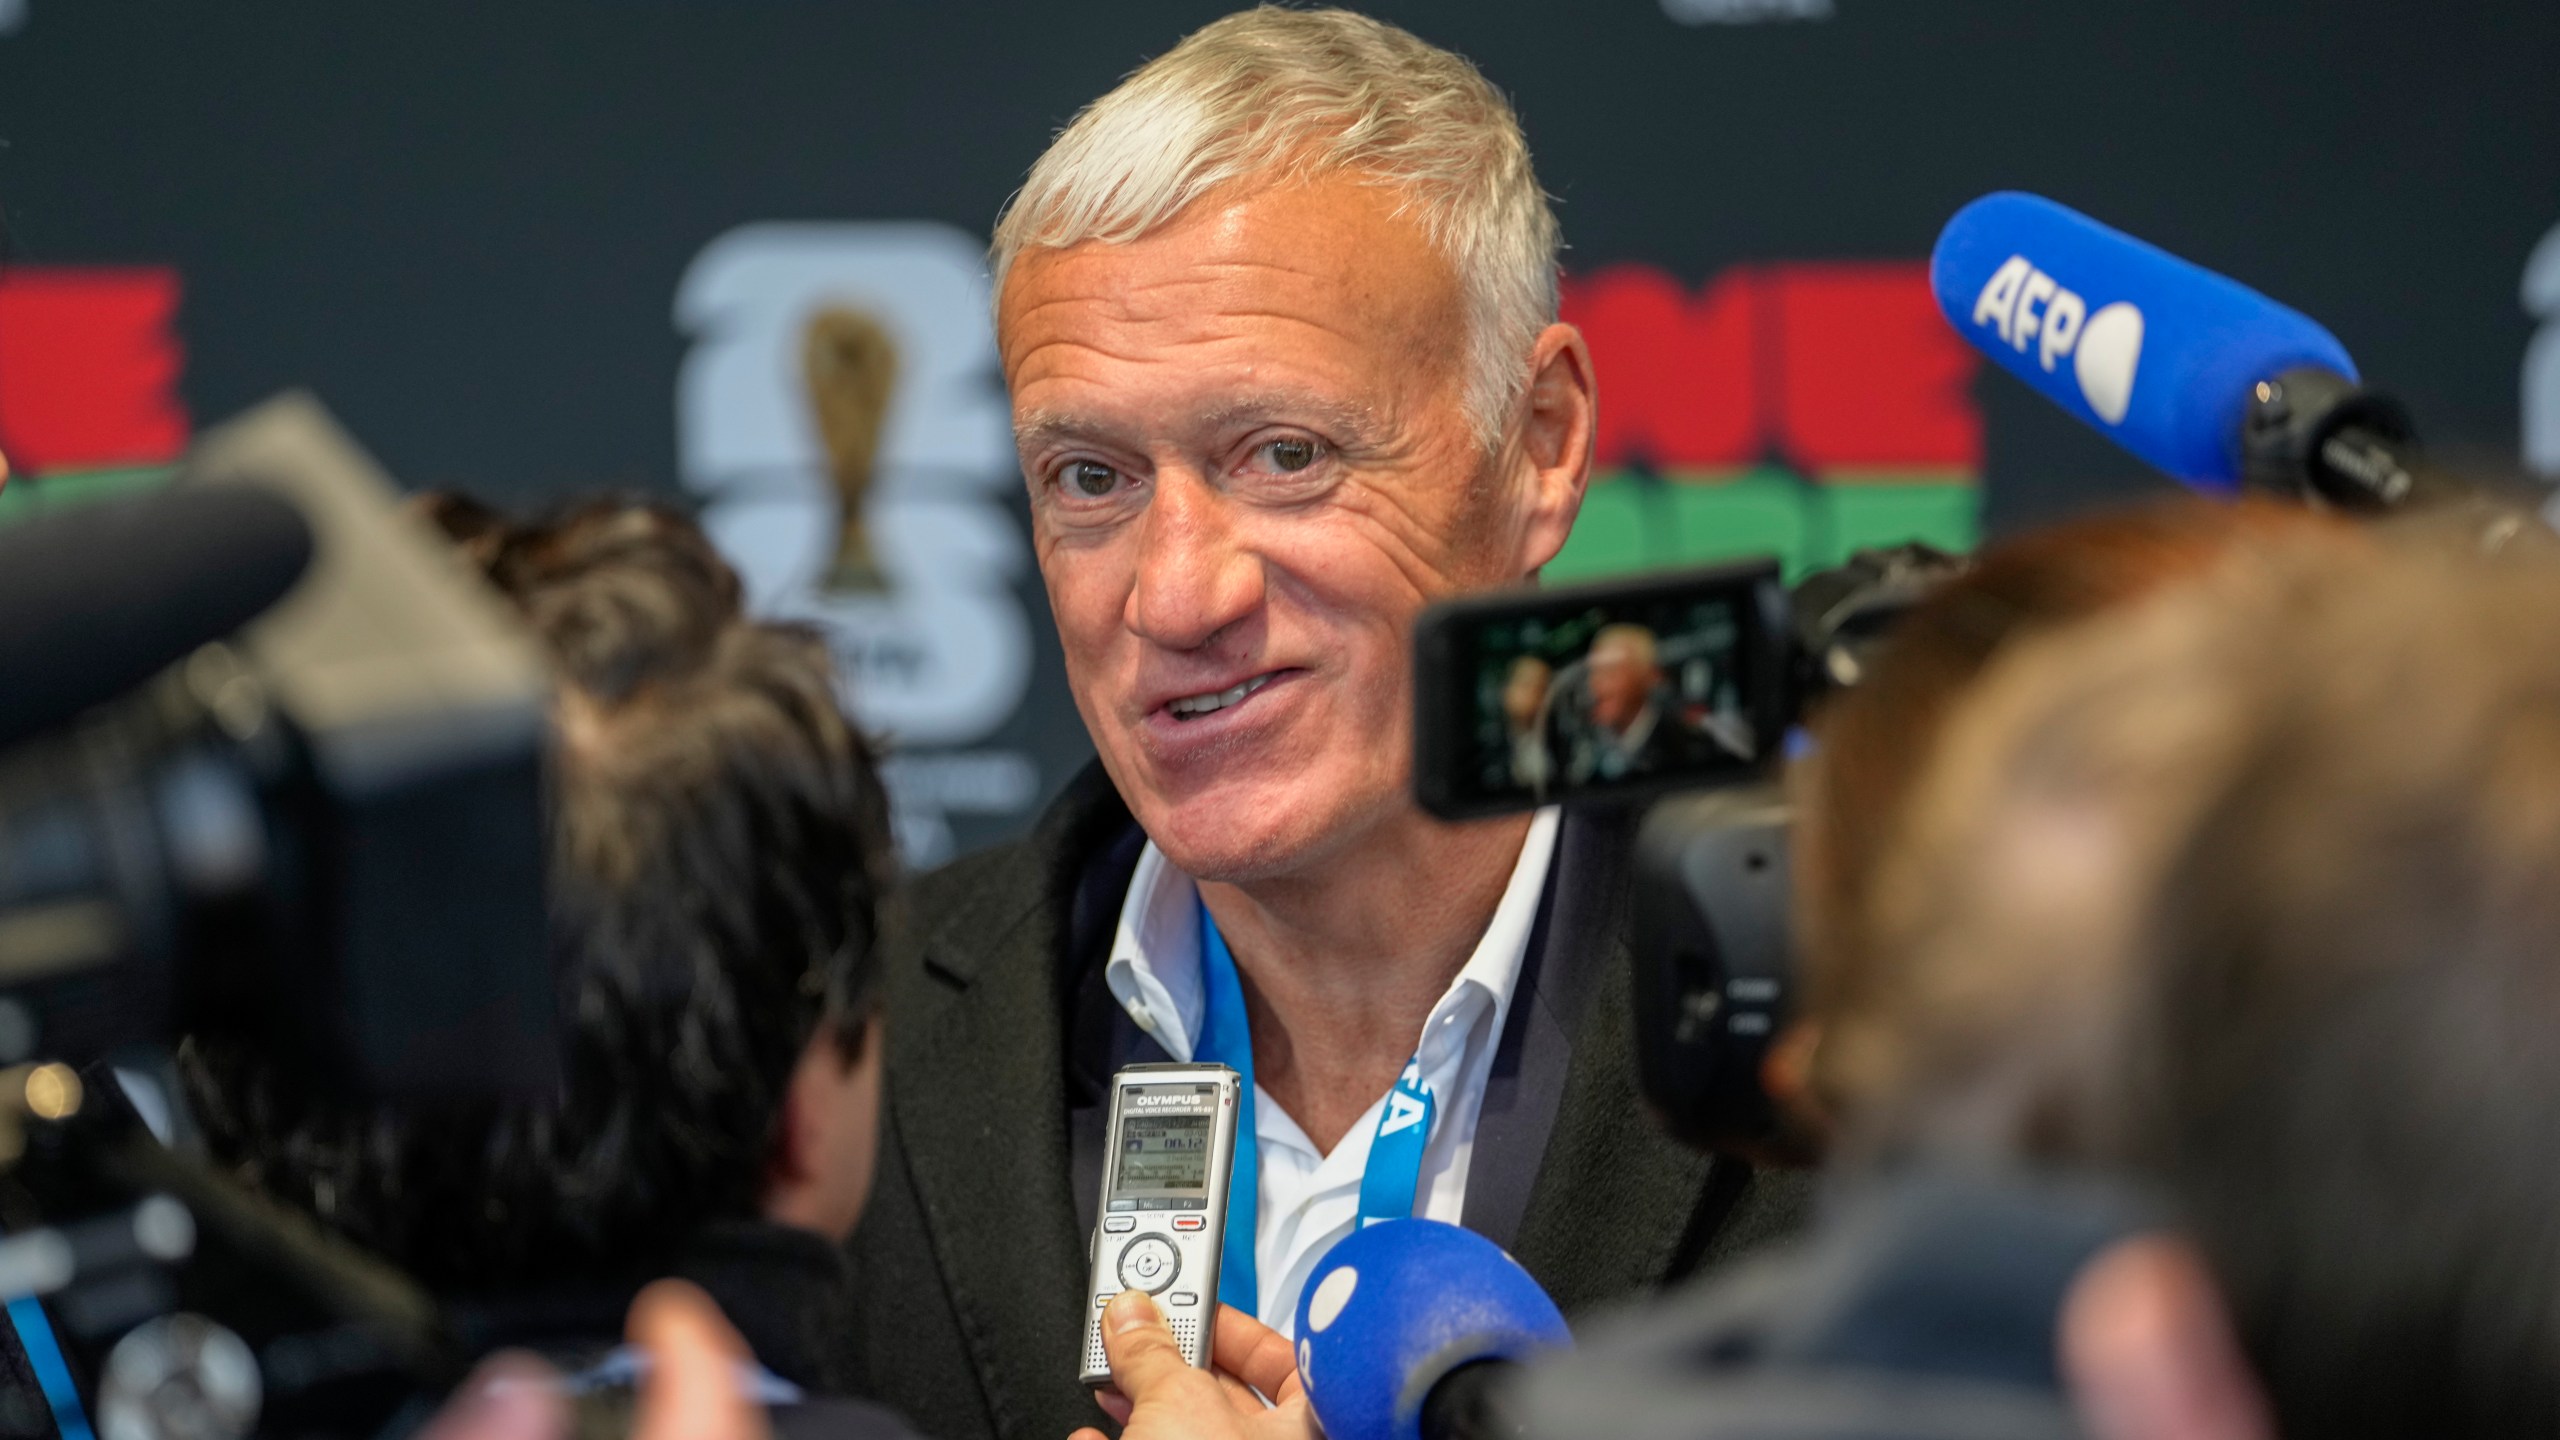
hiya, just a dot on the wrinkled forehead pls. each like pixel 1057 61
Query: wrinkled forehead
pixel 1273 287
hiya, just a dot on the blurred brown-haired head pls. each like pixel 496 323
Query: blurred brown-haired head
pixel 2248 891
pixel 1873 742
pixel 2354 970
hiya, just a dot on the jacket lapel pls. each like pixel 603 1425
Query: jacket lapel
pixel 1616 1207
pixel 1616 1201
pixel 979 1096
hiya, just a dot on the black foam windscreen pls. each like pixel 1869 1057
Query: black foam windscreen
pixel 98 599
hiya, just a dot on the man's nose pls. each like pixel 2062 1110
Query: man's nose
pixel 1195 576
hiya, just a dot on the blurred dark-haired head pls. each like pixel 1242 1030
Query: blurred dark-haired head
pixel 719 855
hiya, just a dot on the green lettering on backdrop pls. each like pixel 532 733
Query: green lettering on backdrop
pixel 1635 521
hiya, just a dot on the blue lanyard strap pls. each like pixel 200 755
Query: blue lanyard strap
pixel 53 1374
pixel 1394 1175
pixel 1226 1038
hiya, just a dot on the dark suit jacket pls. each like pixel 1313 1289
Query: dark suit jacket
pixel 787 1291
pixel 971 1260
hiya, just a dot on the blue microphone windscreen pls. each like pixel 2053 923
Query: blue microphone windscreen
pixel 2155 353
pixel 1392 1309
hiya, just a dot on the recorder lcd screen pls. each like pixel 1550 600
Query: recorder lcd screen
pixel 1163 1152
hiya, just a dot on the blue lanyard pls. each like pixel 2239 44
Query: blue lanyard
pixel 1387 1187
pixel 53 1375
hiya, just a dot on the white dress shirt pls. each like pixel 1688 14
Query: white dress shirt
pixel 1309 1200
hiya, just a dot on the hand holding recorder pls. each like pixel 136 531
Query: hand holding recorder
pixel 1163 1396
pixel 1156 1254
pixel 1164 1203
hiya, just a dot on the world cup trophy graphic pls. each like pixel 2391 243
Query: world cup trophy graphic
pixel 850 365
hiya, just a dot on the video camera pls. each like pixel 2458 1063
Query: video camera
pixel 1682 692
pixel 271 766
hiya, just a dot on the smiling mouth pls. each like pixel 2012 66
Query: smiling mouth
pixel 1192 707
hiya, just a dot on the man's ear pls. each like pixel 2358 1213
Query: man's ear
pixel 1804 1128
pixel 2148 1352
pixel 1555 441
pixel 795 1150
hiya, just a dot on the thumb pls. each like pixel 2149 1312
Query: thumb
pixel 693 1390
pixel 510 1397
pixel 1145 1361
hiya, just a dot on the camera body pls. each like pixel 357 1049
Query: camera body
pixel 321 833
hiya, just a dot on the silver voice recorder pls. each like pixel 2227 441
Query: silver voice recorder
pixel 1163 1215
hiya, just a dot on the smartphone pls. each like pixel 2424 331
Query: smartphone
pixel 1609 692
pixel 1163 1216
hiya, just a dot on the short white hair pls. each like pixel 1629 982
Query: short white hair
pixel 1275 95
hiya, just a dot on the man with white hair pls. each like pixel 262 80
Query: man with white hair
pixel 1278 318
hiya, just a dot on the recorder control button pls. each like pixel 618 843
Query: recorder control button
pixel 1189 1222
pixel 1182 1299
pixel 1149 1264
pixel 1120 1224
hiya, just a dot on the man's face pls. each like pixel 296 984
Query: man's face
pixel 1622 679
pixel 1250 466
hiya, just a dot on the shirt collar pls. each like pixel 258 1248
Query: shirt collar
pixel 1154 971
pixel 1493 971
pixel 1155 954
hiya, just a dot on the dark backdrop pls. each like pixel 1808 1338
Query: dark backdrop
pixel 465 225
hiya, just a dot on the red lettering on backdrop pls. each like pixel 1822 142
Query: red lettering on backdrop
pixel 1679 384
pixel 1868 374
pixel 89 366
pixel 1827 366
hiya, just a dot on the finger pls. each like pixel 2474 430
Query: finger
pixel 1114 1404
pixel 1240 1396
pixel 512 1396
pixel 1255 1354
pixel 693 1390
pixel 1088 1434
pixel 1292 1419
pixel 1145 1362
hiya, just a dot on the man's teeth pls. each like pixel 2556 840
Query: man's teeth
pixel 1191 705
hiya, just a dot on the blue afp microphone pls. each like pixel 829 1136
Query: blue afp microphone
pixel 2198 375
pixel 1403 1326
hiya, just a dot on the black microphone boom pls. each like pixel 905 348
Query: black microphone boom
pixel 98 599
pixel 1467 1404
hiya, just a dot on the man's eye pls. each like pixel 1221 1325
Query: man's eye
pixel 1291 455
pixel 1089 478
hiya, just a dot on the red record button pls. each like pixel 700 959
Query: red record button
pixel 1189 1222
